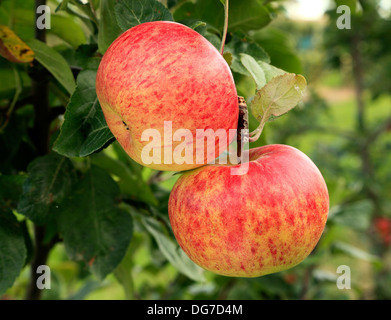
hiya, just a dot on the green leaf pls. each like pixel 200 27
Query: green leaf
pixel 260 71
pixel 228 57
pixel 108 27
pixel 251 16
pixel 12 248
pixel 123 273
pixel 172 251
pixel 130 181
pixel 9 80
pixel 68 30
pixel 270 71
pixel 279 96
pixel 355 252
pixel 197 24
pixel 133 13
pixel 63 5
pixel 356 215
pixel 50 179
pixel 255 69
pixel 54 63
pixel 11 187
pixel 237 46
pixel 280 47
pixel 94 229
pixel 84 130
pixel 242 17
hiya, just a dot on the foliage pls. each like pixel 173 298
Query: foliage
pixel 69 188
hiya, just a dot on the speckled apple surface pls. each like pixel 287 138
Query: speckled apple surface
pixel 265 221
pixel 164 71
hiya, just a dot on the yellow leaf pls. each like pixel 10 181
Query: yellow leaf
pixel 13 48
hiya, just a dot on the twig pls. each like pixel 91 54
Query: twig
pixel 40 138
pixel 242 127
pixel 226 7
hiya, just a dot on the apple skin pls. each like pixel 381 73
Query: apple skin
pixel 250 225
pixel 165 71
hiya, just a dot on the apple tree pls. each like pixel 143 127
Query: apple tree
pixel 66 184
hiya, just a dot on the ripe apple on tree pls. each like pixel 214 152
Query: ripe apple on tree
pixel 265 221
pixel 159 72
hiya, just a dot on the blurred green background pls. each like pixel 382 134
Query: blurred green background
pixel 343 125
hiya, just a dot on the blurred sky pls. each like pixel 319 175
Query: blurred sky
pixel 314 9
pixel 307 9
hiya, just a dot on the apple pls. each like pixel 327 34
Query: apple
pixel 161 78
pixel 383 228
pixel 264 221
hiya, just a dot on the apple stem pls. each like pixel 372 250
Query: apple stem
pixel 226 7
pixel 242 131
pixel 254 136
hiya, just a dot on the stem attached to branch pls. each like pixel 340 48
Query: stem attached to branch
pixel 242 131
pixel 226 7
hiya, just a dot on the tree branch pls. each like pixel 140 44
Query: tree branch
pixel 40 139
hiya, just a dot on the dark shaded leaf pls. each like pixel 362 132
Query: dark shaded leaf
pixel 130 181
pixel 84 130
pixel 12 248
pixel 94 229
pixel 50 179
pixel 108 26
pixel 132 13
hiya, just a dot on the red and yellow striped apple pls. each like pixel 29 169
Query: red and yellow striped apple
pixel 250 225
pixel 160 72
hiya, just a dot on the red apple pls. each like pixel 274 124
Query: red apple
pixel 250 225
pixel 161 74
pixel 383 228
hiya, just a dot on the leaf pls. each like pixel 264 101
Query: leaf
pixel 260 71
pixel 281 49
pixel 19 16
pixel 68 30
pixel 84 130
pixel 130 181
pixel 228 57
pixel 11 187
pixel 13 48
pixel 50 179
pixel 197 24
pixel 63 5
pixel 355 252
pixel 133 13
pixel 356 215
pixel 94 229
pixel 237 46
pixel 108 27
pixel 251 16
pixel 255 69
pixel 172 251
pixel 54 63
pixel 12 249
pixel 123 273
pixel 279 96
pixel 270 71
